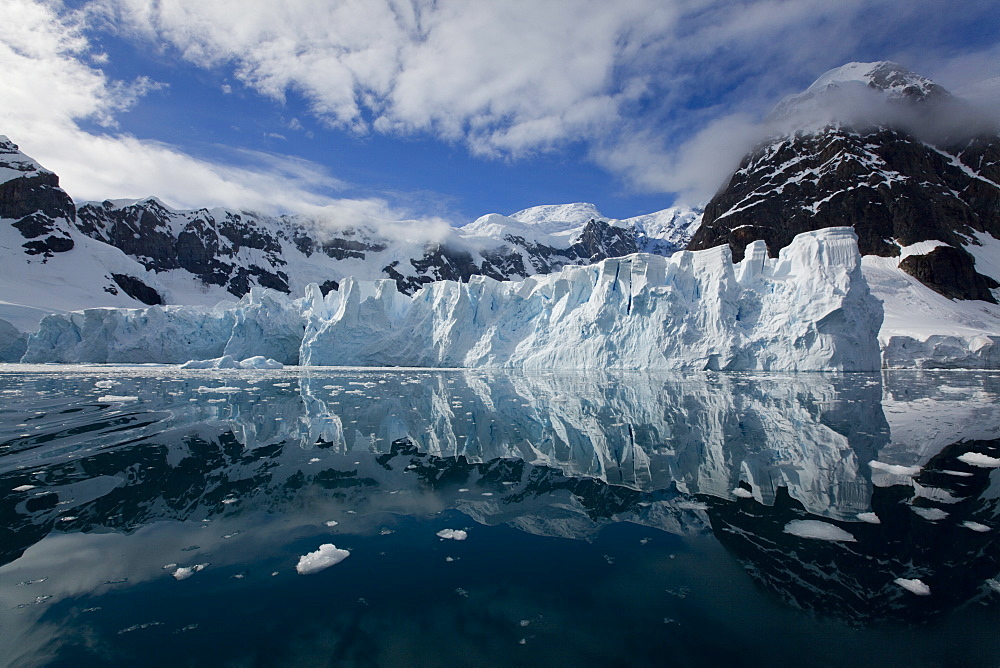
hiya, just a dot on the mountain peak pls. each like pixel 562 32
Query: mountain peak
pixel 858 89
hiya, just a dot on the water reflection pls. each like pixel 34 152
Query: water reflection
pixel 235 469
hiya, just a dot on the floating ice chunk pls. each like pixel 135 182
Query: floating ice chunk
pixel 742 493
pixel 228 362
pixel 23 488
pixel 221 390
pixel 327 555
pixel 931 514
pixel 915 585
pixel 452 534
pixel 894 469
pixel 958 474
pixel 994 585
pixel 331 523
pixel 261 362
pixel 975 526
pixel 184 572
pixel 818 530
pixel 871 518
pixel 117 398
pixel 980 460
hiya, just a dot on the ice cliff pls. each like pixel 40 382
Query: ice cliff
pixel 809 309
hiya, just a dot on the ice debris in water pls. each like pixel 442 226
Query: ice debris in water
pixel 23 488
pixel 227 362
pixel 331 523
pixel 894 469
pixel 743 493
pixel 994 585
pixel 452 534
pixel 818 530
pixel 871 518
pixel 980 460
pixel 327 555
pixel 184 572
pixel 116 398
pixel 915 585
pixel 975 526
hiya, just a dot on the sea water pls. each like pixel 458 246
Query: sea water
pixel 157 516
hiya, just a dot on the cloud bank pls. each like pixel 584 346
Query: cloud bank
pixel 665 95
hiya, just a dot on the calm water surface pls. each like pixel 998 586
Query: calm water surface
pixel 153 516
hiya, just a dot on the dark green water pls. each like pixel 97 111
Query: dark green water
pixel 611 519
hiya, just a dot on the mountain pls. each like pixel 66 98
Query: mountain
pixel 916 172
pixel 130 253
pixel 877 158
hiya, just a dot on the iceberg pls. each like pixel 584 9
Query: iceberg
pixel 809 309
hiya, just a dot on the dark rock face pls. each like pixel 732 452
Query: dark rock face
pixel 892 188
pixel 39 208
pixel 136 289
pixel 951 272
pixel 209 248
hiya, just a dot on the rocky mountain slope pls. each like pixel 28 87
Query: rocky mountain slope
pixel 884 150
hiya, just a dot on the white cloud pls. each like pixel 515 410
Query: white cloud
pixel 48 89
pixel 663 93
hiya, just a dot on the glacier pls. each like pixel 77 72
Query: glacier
pixel 809 309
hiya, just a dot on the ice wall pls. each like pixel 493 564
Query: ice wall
pixel 807 310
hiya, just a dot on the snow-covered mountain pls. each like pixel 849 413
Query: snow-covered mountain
pixel 128 253
pixel 916 173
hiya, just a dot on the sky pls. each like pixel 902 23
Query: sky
pixel 438 110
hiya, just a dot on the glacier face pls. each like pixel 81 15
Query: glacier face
pixel 809 309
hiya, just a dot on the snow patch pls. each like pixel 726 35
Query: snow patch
pixel 819 531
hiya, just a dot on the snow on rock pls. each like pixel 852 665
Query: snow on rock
pixel 980 460
pixel 819 531
pixel 327 555
pixel 915 585
pixel 807 310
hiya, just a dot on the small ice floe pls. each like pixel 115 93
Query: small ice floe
pixel 894 469
pixel 742 493
pixel 461 592
pixel 314 460
pixel 980 460
pixel 975 526
pixel 23 488
pixel 68 518
pixel 331 523
pixel 525 622
pixel 38 601
pixel 116 398
pixel 137 627
pixel 225 389
pixel 871 518
pixel 327 555
pixel 449 559
pixel 915 586
pixel 104 384
pixel 452 534
pixel 930 514
pixel 487 493
pixel 167 567
pixel 463 489
pixel 184 572
pixel 819 531
pixel 227 362
pixel 994 585
pixel 957 474
pixel 229 499
pixel 28 583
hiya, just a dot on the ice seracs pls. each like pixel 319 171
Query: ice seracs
pixel 807 310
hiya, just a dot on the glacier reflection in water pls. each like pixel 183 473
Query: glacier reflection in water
pixel 675 500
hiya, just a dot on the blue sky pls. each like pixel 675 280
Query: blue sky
pixel 391 109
